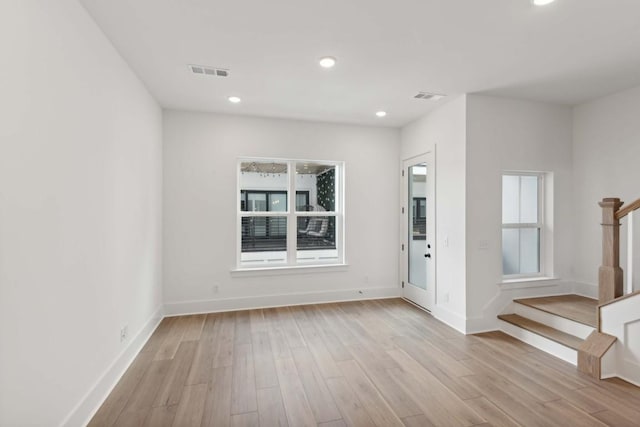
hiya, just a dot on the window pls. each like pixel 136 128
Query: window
pixel 522 224
pixel 275 230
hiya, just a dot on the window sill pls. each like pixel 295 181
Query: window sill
pixel 285 270
pixel 528 282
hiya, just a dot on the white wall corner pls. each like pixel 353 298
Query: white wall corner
pixel 586 289
pixel 455 320
pixel 91 402
pixel 502 301
pixel 278 300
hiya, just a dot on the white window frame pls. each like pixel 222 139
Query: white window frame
pixel 292 217
pixel 540 225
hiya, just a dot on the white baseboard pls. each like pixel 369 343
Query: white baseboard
pixel 280 300
pixel 90 403
pixel 585 289
pixel 450 318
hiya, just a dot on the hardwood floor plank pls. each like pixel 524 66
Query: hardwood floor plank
pixel 270 408
pixel 193 328
pixel 223 345
pixel 169 345
pixel 490 412
pixel 161 416
pixel 242 333
pixel 243 385
pixel 370 363
pixel 245 420
pixel 563 410
pixel 159 335
pixel 140 402
pixel 191 406
pixel 110 410
pixel 612 418
pixel 400 401
pixel 437 402
pixel 173 384
pixel 295 401
pixel 417 421
pixel 336 423
pixel 375 405
pixel 264 362
pixel 218 402
pixel 320 399
pixel 290 328
pixel 353 412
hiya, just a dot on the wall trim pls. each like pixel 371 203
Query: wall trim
pixel 450 318
pixel 278 300
pixel 91 402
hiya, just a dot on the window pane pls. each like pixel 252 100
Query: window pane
pixel 316 239
pixel 510 251
pixel 258 180
pixel 529 250
pixel 510 199
pixel 278 202
pixel 520 251
pixel 529 199
pixel 256 202
pixel 264 240
pixel 302 201
pixel 319 180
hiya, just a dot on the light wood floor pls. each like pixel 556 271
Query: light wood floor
pixel 375 363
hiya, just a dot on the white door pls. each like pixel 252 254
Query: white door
pixel 418 218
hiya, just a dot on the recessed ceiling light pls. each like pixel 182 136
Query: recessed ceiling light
pixel 327 62
pixel 381 113
pixel 234 99
pixel 542 2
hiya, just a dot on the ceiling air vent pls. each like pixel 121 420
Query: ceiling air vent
pixel 209 71
pixel 429 96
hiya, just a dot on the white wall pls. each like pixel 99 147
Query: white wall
pixel 80 189
pixel 445 129
pixel 506 134
pixel 200 163
pixel 606 150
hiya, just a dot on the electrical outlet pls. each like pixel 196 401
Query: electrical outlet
pixel 366 279
pixel 124 333
pixel 446 297
pixel 216 289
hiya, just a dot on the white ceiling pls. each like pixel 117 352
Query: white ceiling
pixel 567 52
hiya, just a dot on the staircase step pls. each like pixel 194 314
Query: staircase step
pixel 573 307
pixel 548 332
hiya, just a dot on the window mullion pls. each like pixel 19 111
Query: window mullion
pixel 292 223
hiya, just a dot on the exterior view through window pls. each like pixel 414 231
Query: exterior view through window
pixel 278 231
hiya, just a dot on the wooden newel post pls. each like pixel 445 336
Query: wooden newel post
pixel 610 274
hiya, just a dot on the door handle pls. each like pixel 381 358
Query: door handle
pixel 427 255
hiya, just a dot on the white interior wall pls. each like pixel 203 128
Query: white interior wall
pixel 200 169
pixel 513 135
pixel 80 190
pixel 445 131
pixel 606 150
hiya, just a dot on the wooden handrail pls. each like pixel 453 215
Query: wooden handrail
pixel 624 211
pixel 623 297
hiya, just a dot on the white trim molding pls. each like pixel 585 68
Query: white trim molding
pixel 278 300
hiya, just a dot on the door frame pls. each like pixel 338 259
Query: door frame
pixel 409 292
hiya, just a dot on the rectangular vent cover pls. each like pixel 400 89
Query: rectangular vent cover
pixel 208 71
pixel 429 96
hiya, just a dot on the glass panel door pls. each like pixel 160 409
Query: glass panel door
pixel 417 225
pixel 419 230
